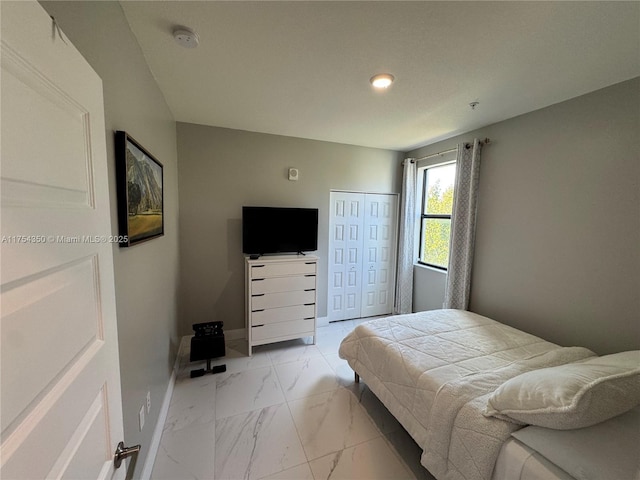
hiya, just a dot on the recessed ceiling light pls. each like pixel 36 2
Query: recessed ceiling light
pixel 382 80
pixel 186 38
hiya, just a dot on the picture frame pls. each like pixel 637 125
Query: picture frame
pixel 140 191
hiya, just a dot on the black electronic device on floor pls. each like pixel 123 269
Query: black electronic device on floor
pixel 207 343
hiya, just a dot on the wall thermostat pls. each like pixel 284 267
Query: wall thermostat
pixel 293 174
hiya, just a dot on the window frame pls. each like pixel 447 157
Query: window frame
pixel 437 216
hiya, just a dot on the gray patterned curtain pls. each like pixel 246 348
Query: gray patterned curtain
pixel 404 283
pixel 463 226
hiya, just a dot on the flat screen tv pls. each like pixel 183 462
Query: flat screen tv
pixel 279 230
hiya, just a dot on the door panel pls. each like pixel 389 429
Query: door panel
pixel 347 211
pixel 362 285
pixel 61 412
pixel 381 224
pixel 67 298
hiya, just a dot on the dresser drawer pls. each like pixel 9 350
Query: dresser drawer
pixel 283 284
pixel 284 299
pixel 283 314
pixel 282 269
pixel 281 329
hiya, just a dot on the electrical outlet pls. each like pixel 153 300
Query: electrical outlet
pixel 141 417
pixel 148 401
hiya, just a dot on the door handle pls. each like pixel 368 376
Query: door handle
pixel 123 452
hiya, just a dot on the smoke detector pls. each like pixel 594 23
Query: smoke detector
pixel 186 38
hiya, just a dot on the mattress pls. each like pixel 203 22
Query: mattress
pixel 434 372
pixel 608 450
pixel 517 461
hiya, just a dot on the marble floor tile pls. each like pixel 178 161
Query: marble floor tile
pixel 372 460
pixel 343 325
pixel 344 373
pixel 301 472
pixel 306 377
pixel 237 360
pixel 256 444
pixel 193 401
pixel 186 453
pixel 330 422
pixel 269 414
pixel 245 391
pixel 329 342
pixel 408 450
pixel 378 413
pixel 291 351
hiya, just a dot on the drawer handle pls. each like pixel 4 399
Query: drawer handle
pixel 310 275
pixel 257 266
pixel 257 294
pixel 261 310
pixel 309 289
pixel 257 279
pixel 309 263
pixel 256 326
pixel 309 318
pixel 307 304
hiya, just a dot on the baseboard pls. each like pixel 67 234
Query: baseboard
pixel 236 334
pixel 147 470
pixel 322 321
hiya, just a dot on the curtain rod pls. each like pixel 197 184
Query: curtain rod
pixel 467 145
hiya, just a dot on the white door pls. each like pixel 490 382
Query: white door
pixel 362 255
pixel 61 410
pixel 379 254
pixel 346 223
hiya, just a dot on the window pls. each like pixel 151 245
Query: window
pixel 435 216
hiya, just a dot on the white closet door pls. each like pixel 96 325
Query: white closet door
pixel 379 254
pixel 362 255
pixel 346 224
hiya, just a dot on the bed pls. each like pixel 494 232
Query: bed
pixel 452 378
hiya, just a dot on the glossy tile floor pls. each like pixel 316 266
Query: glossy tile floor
pixel 291 411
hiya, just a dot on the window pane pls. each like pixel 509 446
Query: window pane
pixel 439 189
pixel 435 238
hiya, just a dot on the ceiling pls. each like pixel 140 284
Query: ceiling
pixel 302 68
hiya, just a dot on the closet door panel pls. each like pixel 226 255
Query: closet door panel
pixel 362 247
pixel 345 244
pixel 380 223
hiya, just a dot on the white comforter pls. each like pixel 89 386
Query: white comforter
pixel 434 372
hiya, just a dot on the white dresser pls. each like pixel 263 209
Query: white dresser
pixel 280 298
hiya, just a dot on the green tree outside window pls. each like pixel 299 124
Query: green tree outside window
pixel 436 215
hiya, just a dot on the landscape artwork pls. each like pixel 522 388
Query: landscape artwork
pixel 140 200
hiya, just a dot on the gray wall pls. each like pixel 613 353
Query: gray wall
pixel 558 233
pixel 221 170
pixel 146 275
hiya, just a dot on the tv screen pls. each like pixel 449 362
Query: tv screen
pixel 279 230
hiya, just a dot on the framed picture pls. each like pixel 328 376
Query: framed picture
pixel 140 197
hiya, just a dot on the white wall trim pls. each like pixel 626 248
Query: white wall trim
pixel 322 321
pixel 162 418
pixel 432 269
pixel 236 334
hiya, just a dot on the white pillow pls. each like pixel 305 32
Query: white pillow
pixel 574 395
